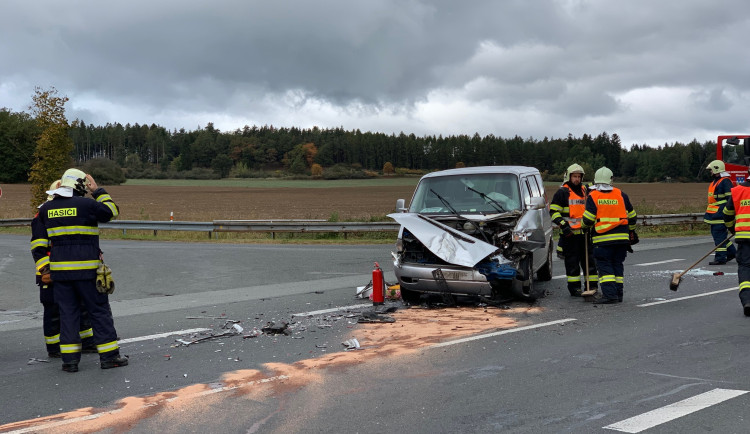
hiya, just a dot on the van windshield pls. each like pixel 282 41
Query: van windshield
pixel 457 190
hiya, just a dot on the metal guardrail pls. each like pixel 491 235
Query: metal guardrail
pixel 303 226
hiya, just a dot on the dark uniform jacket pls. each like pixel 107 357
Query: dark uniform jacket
pixel 69 228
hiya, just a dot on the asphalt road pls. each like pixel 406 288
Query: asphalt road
pixel 662 361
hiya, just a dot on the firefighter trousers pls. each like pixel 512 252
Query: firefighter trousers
pixel 575 263
pixel 51 322
pixel 609 261
pixel 727 251
pixel 69 295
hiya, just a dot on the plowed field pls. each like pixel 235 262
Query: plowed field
pixel 349 203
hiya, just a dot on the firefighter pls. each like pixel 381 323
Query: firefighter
pixel 719 194
pixel 737 221
pixel 613 218
pixel 566 211
pixel 51 315
pixel 70 222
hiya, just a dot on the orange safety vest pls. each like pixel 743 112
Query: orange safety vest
pixel 713 207
pixel 741 211
pixel 576 208
pixel 610 210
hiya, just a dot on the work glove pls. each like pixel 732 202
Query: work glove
pixel 45 275
pixel 634 238
pixel 567 231
pixel 104 282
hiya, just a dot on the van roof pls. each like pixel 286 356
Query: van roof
pixel 516 170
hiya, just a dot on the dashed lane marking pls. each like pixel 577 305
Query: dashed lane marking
pixel 161 335
pixel 333 309
pixel 502 332
pixel 653 303
pixel 673 411
pixel 646 264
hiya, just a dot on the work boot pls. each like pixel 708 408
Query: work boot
pixel 717 262
pixel 70 367
pixel 746 308
pixel 606 301
pixel 114 363
pixel 575 292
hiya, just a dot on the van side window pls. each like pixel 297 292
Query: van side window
pixel 535 192
pixel 541 186
pixel 526 195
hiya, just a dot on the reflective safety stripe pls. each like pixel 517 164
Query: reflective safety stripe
pixel 110 346
pixel 610 237
pixel 619 279
pixel 74 265
pixel 593 278
pixel 608 278
pixel 39 242
pixel 86 333
pixel 70 348
pixel 574 278
pixel 110 204
pixel 744 285
pixel 73 230
pixel 52 339
pixel 42 262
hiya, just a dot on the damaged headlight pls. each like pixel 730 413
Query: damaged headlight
pixel 520 236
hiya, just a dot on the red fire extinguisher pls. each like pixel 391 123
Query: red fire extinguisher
pixel 378 286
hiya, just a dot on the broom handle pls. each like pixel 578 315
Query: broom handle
pixel 706 255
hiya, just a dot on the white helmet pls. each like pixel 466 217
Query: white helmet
pixel 573 168
pixel 716 167
pixel 75 179
pixel 54 186
pixel 603 176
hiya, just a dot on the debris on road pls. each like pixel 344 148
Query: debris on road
pixel 34 361
pixel 351 344
pixel 375 317
pixel 272 329
pixel 254 333
pixel 231 332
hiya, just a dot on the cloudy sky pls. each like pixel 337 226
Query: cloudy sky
pixel 653 72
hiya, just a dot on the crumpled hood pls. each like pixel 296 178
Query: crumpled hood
pixel 446 243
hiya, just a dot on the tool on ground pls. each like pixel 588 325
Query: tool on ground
pixel 378 286
pixel 588 294
pixel 677 277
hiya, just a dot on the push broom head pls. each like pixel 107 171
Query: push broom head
pixel 675 282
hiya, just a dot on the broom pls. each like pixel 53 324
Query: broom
pixel 677 277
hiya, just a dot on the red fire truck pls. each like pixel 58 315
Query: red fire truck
pixel 734 151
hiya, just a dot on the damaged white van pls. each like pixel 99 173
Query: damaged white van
pixel 478 231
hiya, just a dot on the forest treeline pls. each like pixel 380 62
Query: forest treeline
pixel 142 151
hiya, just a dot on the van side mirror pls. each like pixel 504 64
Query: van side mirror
pixel 536 203
pixel 401 205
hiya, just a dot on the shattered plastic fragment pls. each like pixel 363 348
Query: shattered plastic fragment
pixel 34 360
pixel 351 344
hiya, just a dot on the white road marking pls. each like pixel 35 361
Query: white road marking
pixel 211 391
pixel 333 309
pixel 646 264
pixel 673 411
pixel 688 296
pixel 502 332
pixel 161 335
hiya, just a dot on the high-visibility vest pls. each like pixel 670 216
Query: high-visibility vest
pixel 611 215
pixel 741 201
pixel 576 208
pixel 713 203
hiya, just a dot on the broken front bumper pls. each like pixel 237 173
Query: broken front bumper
pixel 459 280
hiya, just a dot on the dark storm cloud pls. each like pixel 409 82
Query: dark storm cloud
pixel 647 70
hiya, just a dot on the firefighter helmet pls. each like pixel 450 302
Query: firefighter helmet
pixel 54 186
pixel 573 168
pixel 716 167
pixel 603 176
pixel 75 179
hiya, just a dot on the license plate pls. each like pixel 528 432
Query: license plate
pixel 457 275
